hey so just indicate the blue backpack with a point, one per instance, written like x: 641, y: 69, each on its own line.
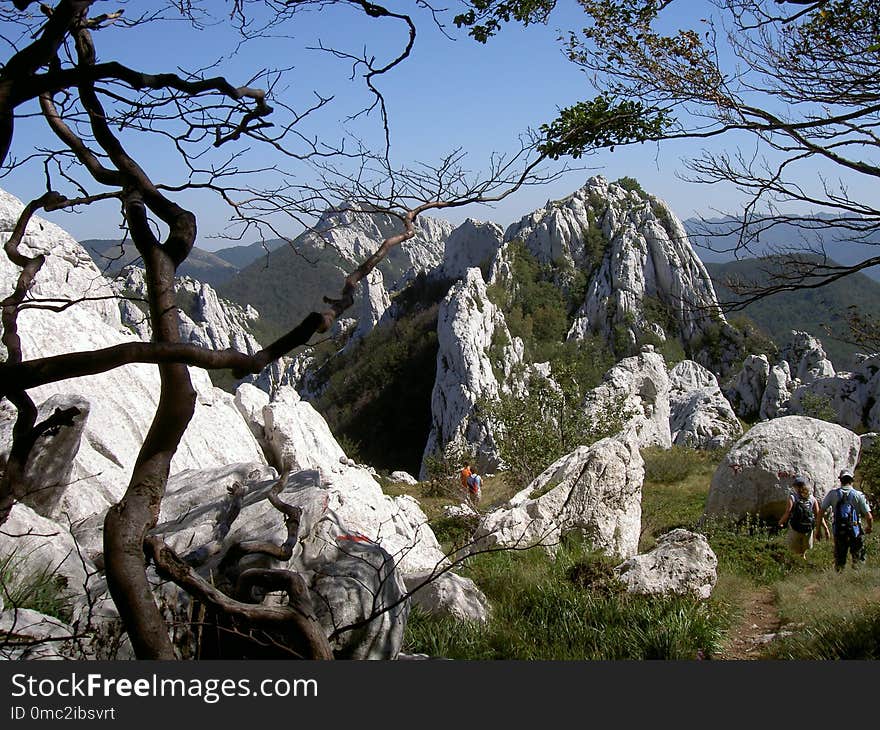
x: 846, y: 515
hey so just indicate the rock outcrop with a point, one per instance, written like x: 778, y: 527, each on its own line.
x: 639, y: 259
x: 122, y: 401
x: 806, y: 358
x: 755, y: 477
x: 700, y: 416
x: 747, y: 389
x: 682, y: 563
x: 472, y: 245
x: 448, y: 595
x: 638, y: 388
x: 476, y: 360
x: 595, y: 491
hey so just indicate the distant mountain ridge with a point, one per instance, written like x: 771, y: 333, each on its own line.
x: 821, y: 311
x: 111, y: 256
x: 717, y: 246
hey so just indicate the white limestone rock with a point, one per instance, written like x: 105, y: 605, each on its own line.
x: 638, y: 388
x: 700, y: 416
x: 777, y: 394
x: 356, y: 233
x: 448, y: 595
x: 206, y: 319
x: 755, y: 477
x: 746, y: 391
x: 40, y: 545
x: 121, y: 401
x: 403, y: 477
x: 595, y: 491
x: 646, y: 255
x: 371, y: 302
x: 298, y: 437
x: 806, y: 358
x: 472, y: 245
x: 682, y: 563
x: 361, y: 583
x: 68, y: 271
x: 469, y: 330
x: 29, y: 634
x: 49, y: 465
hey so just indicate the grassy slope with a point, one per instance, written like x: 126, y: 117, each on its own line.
x: 569, y: 608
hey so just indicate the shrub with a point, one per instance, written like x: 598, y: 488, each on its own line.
x: 818, y: 406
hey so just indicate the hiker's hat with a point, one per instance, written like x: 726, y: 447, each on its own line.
x: 798, y: 480
x: 846, y: 474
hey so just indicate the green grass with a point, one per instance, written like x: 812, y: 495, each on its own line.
x: 544, y: 610
x: 39, y: 589
x: 571, y: 607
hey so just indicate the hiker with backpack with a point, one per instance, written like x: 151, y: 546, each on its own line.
x: 804, y: 519
x: 849, y: 506
x: 475, y: 487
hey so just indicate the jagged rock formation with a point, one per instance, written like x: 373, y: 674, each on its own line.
x: 472, y: 245
x: 755, y: 477
x: 700, y: 416
x: 595, y: 491
x: 806, y: 358
x: 638, y: 388
x: 747, y: 389
x: 476, y: 360
x: 205, y: 318
x: 777, y: 394
x: 638, y: 256
x: 355, y: 233
x: 681, y: 563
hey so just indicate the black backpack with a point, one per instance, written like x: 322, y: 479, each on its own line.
x: 846, y: 516
x: 802, y: 518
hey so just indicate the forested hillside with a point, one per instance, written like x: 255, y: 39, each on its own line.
x: 821, y: 312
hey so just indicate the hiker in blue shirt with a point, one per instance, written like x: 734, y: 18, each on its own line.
x: 849, y: 506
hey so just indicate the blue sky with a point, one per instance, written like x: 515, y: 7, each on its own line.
x: 450, y: 93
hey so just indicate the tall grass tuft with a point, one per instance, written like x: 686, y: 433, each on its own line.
x: 39, y: 589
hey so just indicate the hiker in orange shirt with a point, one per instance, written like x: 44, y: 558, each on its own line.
x: 465, y: 475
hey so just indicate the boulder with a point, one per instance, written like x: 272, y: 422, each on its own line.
x: 638, y: 388
x: 448, y: 595
x: 755, y: 477
x: 746, y: 391
x: 700, y: 416
x: 403, y: 477
x: 682, y: 563
x: 595, y: 491
x: 356, y: 585
x: 27, y: 634
x: 38, y: 546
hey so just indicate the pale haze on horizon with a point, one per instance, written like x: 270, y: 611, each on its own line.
x: 449, y: 94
